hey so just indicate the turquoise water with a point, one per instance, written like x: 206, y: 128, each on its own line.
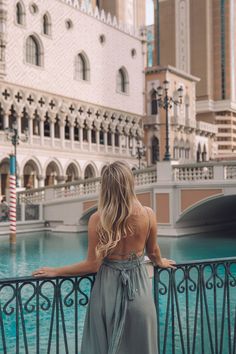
x: 33, y: 251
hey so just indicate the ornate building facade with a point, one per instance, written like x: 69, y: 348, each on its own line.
x: 199, y: 37
x: 130, y: 12
x: 71, y: 75
x: 190, y: 140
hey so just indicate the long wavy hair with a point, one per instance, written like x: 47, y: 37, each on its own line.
x: 114, y: 206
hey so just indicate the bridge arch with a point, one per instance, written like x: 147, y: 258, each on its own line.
x: 213, y: 211
x: 86, y: 215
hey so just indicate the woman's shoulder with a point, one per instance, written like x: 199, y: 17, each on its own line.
x: 149, y: 210
x: 95, y: 217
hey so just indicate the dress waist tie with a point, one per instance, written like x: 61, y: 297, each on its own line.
x: 126, y: 292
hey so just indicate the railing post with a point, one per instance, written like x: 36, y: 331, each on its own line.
x: 165, y: 171
x: 49, y: 194
x: 22, y: 206
x: 219, y: 172
x: 40, y: 212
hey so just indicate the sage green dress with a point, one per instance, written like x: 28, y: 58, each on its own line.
x: 121, y: 315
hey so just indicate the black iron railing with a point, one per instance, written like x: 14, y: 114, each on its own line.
x: 196, y: 307
x: 196, y: 310
x: 43, y: 316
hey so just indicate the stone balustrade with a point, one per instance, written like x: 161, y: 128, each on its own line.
x: 80, y: 188
x: 192, y: 173
x: 205, y: 171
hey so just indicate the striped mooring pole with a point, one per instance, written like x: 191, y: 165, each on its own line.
x: 12, y: 204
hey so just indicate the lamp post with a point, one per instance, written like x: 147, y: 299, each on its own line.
x: 166, y: 102
x: 15, y: 138
x: 141, y: 150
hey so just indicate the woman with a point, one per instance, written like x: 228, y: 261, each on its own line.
x: 121, y: 317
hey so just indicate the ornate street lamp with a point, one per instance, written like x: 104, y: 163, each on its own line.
x: 141, y: 150
x: 13, y: 136
x: 166, y: 102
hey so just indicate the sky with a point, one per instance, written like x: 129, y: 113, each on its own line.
x: 149, y: 12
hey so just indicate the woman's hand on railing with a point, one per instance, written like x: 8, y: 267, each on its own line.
x: 45, y: 272
x: 166, y: 263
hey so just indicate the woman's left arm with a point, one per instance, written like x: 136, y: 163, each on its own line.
x: 90, y: 265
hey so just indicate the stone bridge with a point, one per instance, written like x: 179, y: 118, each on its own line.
x: 187, y: 198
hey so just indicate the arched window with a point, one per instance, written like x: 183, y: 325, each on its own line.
x: 20, y: 13
x: 199, y: 152
x: 1, y: 118
x: 46, y: 25
x: 93, y: 134
x: 89, y: 172
x: 101, y: 136
x: 154, y: 109
x: 57, y: 128
x: 109, y: 138
x: 72, y: 173
x: 36, y: 125
x: 155, y: 150
x: 33, y: 51
x: 176, y: 149
x: 67, y: 129
x: 47, y: 127
x: 122, y: 80
x: 82, y: 69
x: 187, y: 107
x: 117, y: 139
x: 181, y: 149
x: 24, y: 121
x: 204, y: 153
x: 187, y: 150
x: 76, y: 130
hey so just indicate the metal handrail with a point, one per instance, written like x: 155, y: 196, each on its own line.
x: 198, y: 300
x: 195, y: 303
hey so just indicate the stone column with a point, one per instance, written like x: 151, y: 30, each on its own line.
x: 127, y: 133
x: 41, y: 180
x: 42, y: 130
x: 98, y: 139
x: 113, y: 141
x: 105, y: 141
x: 72, y: 138
x: 81, y: 137
x: 133, y: 146
x: 120, y: 145
x: 90, y: 138
x: 52, y: 117
x: 6, y: 120
x: 105, y: 130
x: 18, y: 121
x: 60, y: 179
x: 127, y: 144
x: 62, y: 132
x: 30, y: 125
x: 52, y: 132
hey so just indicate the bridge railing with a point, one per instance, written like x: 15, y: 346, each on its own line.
x: 204, y: 171
x: 195, y: 304
x: 81, y: 187
x: 196, y: 307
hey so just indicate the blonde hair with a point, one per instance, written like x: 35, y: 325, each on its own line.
x: 114, y: 206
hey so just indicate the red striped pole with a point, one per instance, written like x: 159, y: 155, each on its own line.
x: 12, y: 202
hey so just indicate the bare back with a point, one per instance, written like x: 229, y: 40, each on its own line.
x: 134, y: 243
